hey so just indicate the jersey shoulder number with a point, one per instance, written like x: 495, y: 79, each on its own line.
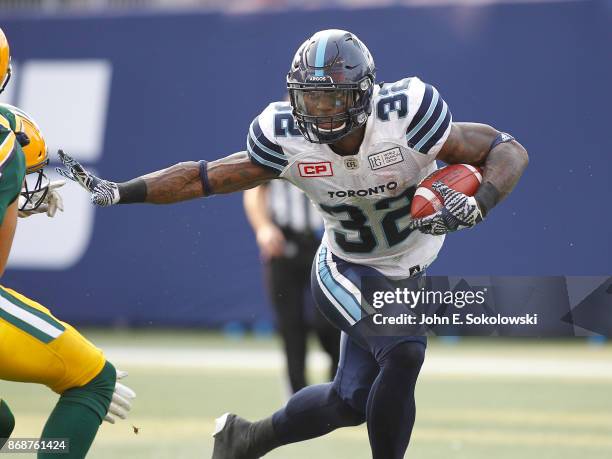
x: 268, y: 135
x: 417, y: 111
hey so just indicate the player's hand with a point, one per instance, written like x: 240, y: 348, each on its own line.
x: 52, y: 202
x: 459, y: 211
x: 271, y: 241
x: 121, y: 403
x: 103, y: 192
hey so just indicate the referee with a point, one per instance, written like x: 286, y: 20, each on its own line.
x: 288, y: 229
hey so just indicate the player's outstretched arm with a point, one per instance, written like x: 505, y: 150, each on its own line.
x: 180, y: 182
x: 503, y: 159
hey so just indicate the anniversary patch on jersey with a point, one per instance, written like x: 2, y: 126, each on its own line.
x: 351, y: 163
x: 385, y: 158
x: 322, y: 169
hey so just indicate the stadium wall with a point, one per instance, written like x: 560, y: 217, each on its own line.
x: 129, y: 94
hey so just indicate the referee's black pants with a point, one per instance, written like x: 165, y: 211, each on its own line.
x: 288, y: 281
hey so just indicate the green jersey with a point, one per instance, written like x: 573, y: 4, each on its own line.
x: 8, y: 116
x: 12, y: 164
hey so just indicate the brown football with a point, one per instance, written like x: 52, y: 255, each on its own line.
x: 459, y: 177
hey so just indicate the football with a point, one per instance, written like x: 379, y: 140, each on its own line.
x: 460, y: 177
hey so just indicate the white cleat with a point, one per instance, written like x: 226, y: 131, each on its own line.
x: 220, y: 423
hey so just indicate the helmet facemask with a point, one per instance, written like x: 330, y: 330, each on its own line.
x: 34, y: 191
x: 36, y: 184
x: 327, y: 112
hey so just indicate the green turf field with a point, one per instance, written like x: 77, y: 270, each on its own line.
x: 476, y: 399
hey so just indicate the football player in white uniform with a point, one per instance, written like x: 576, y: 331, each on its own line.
x: 358, y: 149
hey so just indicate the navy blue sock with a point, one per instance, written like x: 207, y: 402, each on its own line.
x: 391, y: 408
x: 312, y: 412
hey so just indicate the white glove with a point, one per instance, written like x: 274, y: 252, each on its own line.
x: 121, y: 403
x: 103, y: 192
x: 52, y: 203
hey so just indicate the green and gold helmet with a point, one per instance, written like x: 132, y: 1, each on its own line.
x: 34, y: 148
x: 5, y: 61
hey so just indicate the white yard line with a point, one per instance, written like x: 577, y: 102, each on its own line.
x: 457, y: 365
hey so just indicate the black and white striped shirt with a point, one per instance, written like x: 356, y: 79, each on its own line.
x: 290, y: 208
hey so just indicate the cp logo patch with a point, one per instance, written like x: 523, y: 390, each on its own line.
x: 323, y: 169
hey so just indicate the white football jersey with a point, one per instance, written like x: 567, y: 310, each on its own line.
x: 365, y: 198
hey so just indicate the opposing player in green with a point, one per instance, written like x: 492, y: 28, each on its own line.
x: 35, y: 346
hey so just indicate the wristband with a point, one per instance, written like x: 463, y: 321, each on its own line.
x: 204, y: 178
x: 487, y: 197
x: 133, y: 191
